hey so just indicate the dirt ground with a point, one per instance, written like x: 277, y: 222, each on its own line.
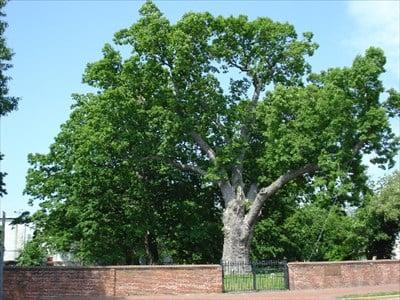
x: 323, y: 294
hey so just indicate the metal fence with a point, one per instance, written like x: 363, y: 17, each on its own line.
x: 254, y: 276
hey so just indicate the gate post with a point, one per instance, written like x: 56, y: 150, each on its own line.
x: 253, y: 271
x: 286, y: 275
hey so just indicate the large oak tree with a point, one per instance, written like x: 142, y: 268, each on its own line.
x: 233, y: 101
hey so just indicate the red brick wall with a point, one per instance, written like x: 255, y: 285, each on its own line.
x: 37, y: 283
x: 169, y: 280
x: 319, y: 275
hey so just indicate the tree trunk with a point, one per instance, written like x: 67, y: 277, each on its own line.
x: 150, y: 245
x: 128, y: 257
x: 237, y: 237
x: 236, y: 244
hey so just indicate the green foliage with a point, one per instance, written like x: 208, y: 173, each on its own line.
x: 317, y: 232
x: 191, y: 231
x: 33, y: 254
x: 392, y: 103
x: 2, y: 175
x: 100, y: 203
x: 320, y: 234
x: 7, y: 103
x: 270, y: 234
x: 380, y: 215
x: 311, y: 233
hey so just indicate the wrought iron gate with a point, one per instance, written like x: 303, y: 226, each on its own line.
x: 255, y: 276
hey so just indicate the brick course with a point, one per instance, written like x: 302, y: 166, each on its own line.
x: 51, y: 282
x: 319, y: 275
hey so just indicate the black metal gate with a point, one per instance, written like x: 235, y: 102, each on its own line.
x: 255, y: 276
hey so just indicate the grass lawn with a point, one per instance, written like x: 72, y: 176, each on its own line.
x: 373, y: 296
x: 244, y: 282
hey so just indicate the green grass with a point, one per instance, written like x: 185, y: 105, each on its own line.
x: 244, y: 282
x: 373, y: 296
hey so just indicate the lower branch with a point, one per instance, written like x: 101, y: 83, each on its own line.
x: 270, y: 190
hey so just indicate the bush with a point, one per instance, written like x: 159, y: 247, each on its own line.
x: 33, y: 254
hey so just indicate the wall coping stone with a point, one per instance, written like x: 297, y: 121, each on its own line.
x: 128, y: 267
x: 345, y: 262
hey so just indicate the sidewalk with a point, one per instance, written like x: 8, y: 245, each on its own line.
x: 323, y: 294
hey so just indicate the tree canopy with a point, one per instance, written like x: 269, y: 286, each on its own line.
x: 227, y: 107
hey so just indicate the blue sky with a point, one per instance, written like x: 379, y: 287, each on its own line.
x: 54, y: 40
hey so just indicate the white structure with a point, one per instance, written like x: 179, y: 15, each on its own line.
x: 396, y: 249
x: 15, y: 237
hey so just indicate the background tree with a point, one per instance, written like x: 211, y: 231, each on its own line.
x: 315, y: 231
x: 380, y: 215
x: 274, y: 124
x: 7, y: 103
x: 312, y: 229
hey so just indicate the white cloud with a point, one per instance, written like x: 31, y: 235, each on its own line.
x: 377, y: 23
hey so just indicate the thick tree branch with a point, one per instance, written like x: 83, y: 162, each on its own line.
x: 203, y: 146
x: 237, y: 176
x: 252, y: 192
x: 237, y: 170
x: 244, y: 69
x: 270, y: 190
x: 256, y: 94
x: 228, y: 192
x: 267, y: 192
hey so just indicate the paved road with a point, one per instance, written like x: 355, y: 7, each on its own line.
x: 323, y: 294
x: 383, y: 297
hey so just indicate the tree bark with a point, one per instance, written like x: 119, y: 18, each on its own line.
x: 237, y: 234
x: 239, y: 226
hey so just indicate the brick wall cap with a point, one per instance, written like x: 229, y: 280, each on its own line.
x: 128, y: 267
x: 346, y: 262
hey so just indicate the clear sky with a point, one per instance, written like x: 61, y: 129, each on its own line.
x: 54, y: 40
